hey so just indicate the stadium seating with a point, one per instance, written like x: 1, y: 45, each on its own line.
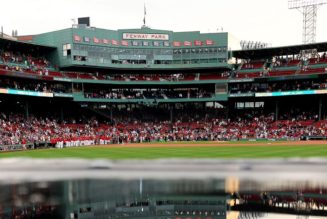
x: 56, y: 74
x: 313, y: 70
x: 252, y: 69
x: 15, y: 68
x: 249, y: 74
x: 314, y: 61
x: 136, y: 130
x: 275, y: 73
x: 213, y: 76
x: 253, y: 65
x: 293, y: 62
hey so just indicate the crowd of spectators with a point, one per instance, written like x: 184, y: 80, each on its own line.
x: 27, y: 63
x: 149, y: 93
x: 126, y: 93
x: 157, y: 93
x: 38, y: 86
x: 43, y: 68
x: 151, y: 77
x: 16, y: 61
x: 25, y: 59
x: 16, y: 129
x: 278, y: 86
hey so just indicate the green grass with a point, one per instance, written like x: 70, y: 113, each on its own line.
x: 257, y: 150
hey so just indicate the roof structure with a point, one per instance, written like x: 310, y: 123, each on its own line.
x: 278, y: 51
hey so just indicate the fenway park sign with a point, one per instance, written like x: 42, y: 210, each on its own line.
x: 145, y: 36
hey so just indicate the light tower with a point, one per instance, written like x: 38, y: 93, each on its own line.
x: 309, y: 9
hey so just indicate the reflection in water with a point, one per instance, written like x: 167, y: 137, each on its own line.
x: 115, y: 199
x: 163, y: 199
x: 163, y: 190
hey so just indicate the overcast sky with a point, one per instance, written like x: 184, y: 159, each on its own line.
x: 260, y: 20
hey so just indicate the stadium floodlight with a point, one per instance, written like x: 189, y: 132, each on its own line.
x: 309, y: 9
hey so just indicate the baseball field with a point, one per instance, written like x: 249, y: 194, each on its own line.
x: 225, y: 150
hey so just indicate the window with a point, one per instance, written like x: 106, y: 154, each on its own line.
x: 249, y: 104
x: 66, y: 50
x: 239, y: 105
x: 259, y: 104
x: 80, y: 58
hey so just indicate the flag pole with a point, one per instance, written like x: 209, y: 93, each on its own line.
x: 144, y: 18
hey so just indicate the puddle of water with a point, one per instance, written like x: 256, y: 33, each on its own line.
x: 78, y: 189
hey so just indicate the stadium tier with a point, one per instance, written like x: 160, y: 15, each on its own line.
x: 86, y: 86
